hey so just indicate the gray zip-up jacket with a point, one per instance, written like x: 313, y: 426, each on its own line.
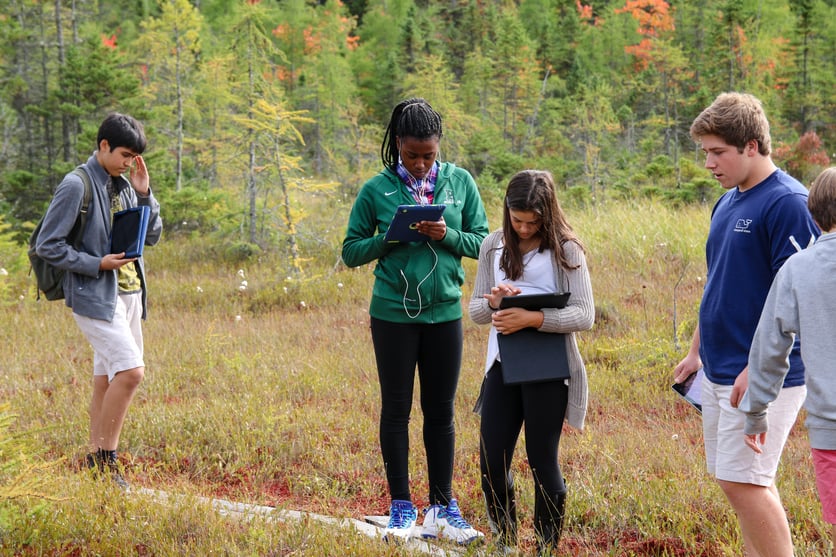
x: 87, y: 290
x: 800, y: 302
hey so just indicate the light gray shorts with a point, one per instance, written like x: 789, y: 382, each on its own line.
x: 727, y: 455
x: 117, y: 346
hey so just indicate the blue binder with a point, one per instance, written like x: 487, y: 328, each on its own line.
x: 128, y: 231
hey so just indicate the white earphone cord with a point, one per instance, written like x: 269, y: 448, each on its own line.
x: 417, y: 288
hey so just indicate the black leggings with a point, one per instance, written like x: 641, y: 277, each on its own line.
x: 542, y: 407
x: 437, y: 351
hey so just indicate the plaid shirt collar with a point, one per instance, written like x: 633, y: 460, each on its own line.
x: 422, y: 191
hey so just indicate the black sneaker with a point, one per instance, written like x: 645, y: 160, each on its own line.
x: 93, y: 461
x: 101, y: 466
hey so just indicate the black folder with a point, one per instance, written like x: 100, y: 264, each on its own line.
x: 529, y: 356
x: 128, y: 231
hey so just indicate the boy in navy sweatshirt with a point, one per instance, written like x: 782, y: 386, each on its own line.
x: 755, y: 227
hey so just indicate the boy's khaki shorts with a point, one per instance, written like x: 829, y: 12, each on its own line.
x: 117, y: 346
x: 726, y: 453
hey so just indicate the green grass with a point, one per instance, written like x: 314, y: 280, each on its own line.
x: 268, y: 395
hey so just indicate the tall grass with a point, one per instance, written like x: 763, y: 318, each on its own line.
x: 265, y: 392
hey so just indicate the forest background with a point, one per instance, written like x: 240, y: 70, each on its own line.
x: 253, y: 106
x: 264, y: 119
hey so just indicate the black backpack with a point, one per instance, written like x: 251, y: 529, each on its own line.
x: 51, y: 279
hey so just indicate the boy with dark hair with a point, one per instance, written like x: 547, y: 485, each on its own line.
x: 801, y: 303
x: 106, y: 291
x: 755, y: 227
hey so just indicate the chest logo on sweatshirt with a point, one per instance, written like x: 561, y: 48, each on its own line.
x: 742, y: 225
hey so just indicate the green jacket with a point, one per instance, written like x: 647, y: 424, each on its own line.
x: 416, y: 282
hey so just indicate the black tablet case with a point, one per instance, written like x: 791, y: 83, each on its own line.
x: 129, y: 229
x: 402, y: 227
x: 691, y: 389
x: 535, y: 302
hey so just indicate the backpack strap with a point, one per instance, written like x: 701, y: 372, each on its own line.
x: 81, y: 222
x: 43, y: 270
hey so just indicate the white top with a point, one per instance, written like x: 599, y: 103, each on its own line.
x: 537, y: 278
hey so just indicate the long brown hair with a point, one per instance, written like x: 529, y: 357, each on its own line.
x: 534, y: 190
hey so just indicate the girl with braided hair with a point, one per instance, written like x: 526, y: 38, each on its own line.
x: 416, y: 309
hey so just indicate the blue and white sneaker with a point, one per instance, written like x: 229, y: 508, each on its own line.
x: 402, y: 518
x: 447, y: 522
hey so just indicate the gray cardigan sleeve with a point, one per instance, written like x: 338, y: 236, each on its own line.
x: 478, y: 308
x: 52, y: 244
x: 578, y: 315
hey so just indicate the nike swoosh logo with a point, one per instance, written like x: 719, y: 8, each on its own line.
x: 388, y: 193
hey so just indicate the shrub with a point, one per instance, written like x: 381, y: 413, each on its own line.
x: 21, y: 472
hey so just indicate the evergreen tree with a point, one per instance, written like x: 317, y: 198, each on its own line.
x: 254, y: 60
x: 172, y: 47
x: 59, y: 86
x: 377, y: 63
x: 807, y: 87
x: 514, y: 81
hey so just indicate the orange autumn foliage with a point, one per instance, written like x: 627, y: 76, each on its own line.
x: 654, y: 18
x: 109, y: 42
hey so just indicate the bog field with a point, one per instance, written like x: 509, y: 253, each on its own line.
x: 261, y: 388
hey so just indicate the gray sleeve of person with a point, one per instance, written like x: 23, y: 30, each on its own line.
x: 58, y: 222
x: 770, y: 351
